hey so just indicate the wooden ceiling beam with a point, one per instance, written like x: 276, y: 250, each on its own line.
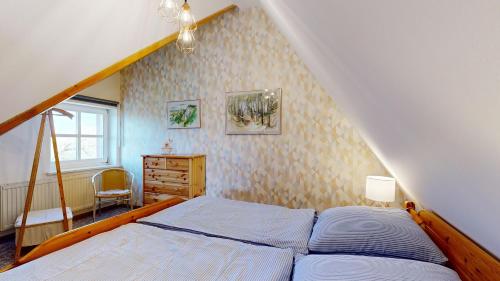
x: 99, y: 76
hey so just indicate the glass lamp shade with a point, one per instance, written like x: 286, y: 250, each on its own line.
x: 186, y: 41
x: 186, y: 18
x: 169, y: 10
x: 381, y: 189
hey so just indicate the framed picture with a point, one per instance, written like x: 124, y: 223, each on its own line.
x: 184, y: 114
x: 254, y: 112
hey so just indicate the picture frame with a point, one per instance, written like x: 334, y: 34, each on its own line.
x: 185, y: 114
x: 255, y: 112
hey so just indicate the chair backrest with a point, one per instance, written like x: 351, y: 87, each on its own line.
x: 112, y: 179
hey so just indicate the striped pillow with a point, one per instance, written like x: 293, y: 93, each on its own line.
x: 373, y: 232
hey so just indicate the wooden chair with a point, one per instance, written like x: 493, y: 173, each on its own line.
x: 113, y: 184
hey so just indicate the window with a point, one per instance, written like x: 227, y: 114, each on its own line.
x: 83, y: 140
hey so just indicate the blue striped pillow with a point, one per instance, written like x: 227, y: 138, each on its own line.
x: 373, y: 232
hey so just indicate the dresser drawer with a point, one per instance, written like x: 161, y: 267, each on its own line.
x: 150, y: 198
x: 166, y: 188
x: 166, y: 176
x: 178, y: 164
x: 155, y: 163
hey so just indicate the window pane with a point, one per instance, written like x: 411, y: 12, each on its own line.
x: 66, y: 147
x: 64, y: 125
x: 92, y: 123
x: 92, y: 148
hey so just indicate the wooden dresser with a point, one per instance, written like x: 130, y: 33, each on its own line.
x: 166, y: 176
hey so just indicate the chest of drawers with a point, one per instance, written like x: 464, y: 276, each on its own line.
x: 165, y: 176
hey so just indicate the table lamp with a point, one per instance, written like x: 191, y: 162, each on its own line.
x: 382, y: 189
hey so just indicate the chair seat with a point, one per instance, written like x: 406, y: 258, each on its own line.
x: 113, y: 193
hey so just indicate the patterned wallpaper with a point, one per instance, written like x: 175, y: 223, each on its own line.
x: 318, y: 161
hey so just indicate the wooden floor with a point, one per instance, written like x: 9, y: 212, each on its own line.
x: 8, y: 246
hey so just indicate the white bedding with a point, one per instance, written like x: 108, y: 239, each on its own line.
x: 250, y: 222
x: 141, y: 252
x: 356, y: 268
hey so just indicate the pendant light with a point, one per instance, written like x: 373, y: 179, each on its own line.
x: 186, y: 18
x: 169, y: 10
x: 186, y: 41
x: 187, y: 26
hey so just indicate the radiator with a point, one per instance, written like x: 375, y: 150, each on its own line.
x: 78, y: 192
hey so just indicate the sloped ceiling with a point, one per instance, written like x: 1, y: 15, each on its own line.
x: 421, y: 80
x: 47, y: 46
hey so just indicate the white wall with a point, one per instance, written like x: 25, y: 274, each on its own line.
x: 421, y: 80
x: 318, y: 161
x: 108, y: 89
x: 17, y: 147
x: 48, y: 46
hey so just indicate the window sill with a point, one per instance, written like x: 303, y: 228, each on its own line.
x: 84, y: 169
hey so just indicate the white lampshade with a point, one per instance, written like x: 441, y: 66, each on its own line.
x: 381, y: 189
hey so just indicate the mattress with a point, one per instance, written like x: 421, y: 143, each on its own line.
x: 141, y: 252
x: 243, y: 221
x: 355, y: 268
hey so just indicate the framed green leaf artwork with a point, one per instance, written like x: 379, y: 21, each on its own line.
x: 254, y: 112
x: 184, y: 114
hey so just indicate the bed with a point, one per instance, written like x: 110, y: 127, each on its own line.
x: 254, y: 223
x: 140, y: 252
x: 261, y: 245
x: 233, y: 251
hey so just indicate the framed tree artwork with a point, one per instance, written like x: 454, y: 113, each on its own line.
x: 254, y: 112
x: 184, y: 114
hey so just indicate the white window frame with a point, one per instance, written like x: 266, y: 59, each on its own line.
x: 86, y: 163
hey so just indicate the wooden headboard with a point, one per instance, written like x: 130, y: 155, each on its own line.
x: 466, y: 257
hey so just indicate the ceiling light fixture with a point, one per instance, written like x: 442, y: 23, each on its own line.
x: 186, y: 41
x: 187, y: 26
x: 186, y: 18
x: 169, y: 10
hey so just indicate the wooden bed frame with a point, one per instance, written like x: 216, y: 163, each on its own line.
x: 467, y: 258
x: 76, y: 235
